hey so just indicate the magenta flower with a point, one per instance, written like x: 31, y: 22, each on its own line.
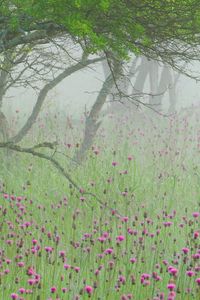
x: 14, y: 296
x: 31, y: 281
x: 53, y: 289
x: 130, y: 157
x: 108, y: 251
x: 198, y: 281
x: 48, y: 249
x: 196, y: 234
x: 22, y: 290
x: 196, y: 214
x: 133, y: 260
x: 88, y: 289
x: 173, y: 271
x: 185, y: 250
x: 62, y: 253
x: 190, y: 273
x: 120, y: 238
x: 66, y: 266
x: 171, y: 286
x: 34, y: 241
x: 64, y: 289
x: 101, y: 239
x: 21, y: 264
x: 77, y: 269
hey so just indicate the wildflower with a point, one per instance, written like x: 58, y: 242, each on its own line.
x: 31, y: 281
x: 48, y: 249
x: 62, y: 253
x: 133, y: 260
x: 198, y: 281
x: 120, y: 238
x: 101, y: 239
x: 171, y: 286
x: 196, y: 234
x: 21, y: 264
x: 76, y: 269
x: 122, y: 279
x: 108, y: 251
x: 88, y: 289
x: 53, y: 289
x: 173, y: 271
x: 190, y: 273
x: 22, y: 290
x: 185, y: 250
x: 14, y: 296
x: 130, y: 157
x: 66, y: 266
x: 196, y: 214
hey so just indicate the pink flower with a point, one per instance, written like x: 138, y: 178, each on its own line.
x: 101, y: 239
x: 196, y: 234
x: 21, y: 264
x: 66, y: 266
x: 120, y: 238
x: 76, y: 269
x: 185, y: 250
x: 173, y: 271
x: 31, y: 281
x: 62, y: 253
x: 89, y: 289
x: 198, y: 281
x: 171, y: 286
x: 145, y: 276
x: 30, y: 271
x: 14, y: 296
x: 130, y: 157
x: 48, y: 249
x: 196, y: 214
x: 171, y: 295
x: 190, y: 273
x: 22, y: 290
x: 64, y: 289
x: 108, y: 251
x: 53, y: 289
x: 122, y: 279
x: 133, y: 260
x: 124, y: 219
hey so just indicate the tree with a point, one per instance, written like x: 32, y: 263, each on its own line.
x: 155, y: 28
x: 164, y: 30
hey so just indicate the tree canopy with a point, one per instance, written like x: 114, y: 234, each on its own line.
x: 166, y: 28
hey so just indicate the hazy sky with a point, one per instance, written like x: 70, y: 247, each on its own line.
x: 81, y: 89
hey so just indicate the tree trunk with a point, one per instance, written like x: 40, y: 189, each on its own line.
x: 92, y: 122
x: 43, y: 93
x: 154, y: 99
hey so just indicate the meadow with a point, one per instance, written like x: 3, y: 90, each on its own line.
x: 131, y: 230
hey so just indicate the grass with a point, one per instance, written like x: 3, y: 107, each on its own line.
x: 66, y: 237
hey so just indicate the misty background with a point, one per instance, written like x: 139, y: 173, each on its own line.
x: 78, y: 92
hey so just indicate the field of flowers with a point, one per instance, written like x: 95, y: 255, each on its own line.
x: 131, y: 231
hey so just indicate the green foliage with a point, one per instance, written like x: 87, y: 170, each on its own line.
x: 116, y: 26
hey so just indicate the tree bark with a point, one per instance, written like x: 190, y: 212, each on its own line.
x: 154, y: 99
x: 43, y: 93
x: 92, y: 122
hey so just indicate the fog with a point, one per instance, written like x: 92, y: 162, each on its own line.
x: 78, y: 93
